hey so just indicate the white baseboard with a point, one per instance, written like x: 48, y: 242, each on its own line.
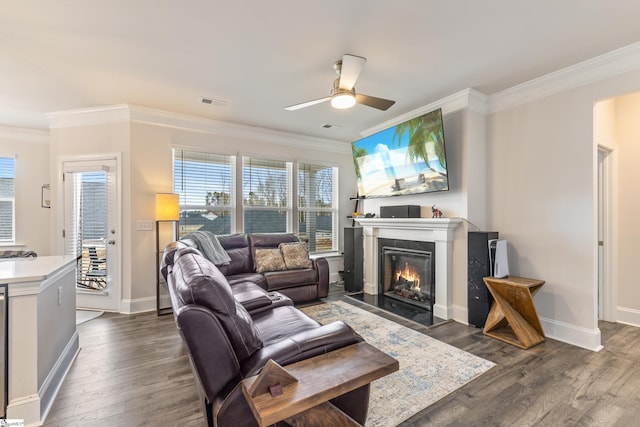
x: 138, y: 305
x: 571, y: 334
x: 460, y: 314
x: 628, y: 316
x: 560, y: 331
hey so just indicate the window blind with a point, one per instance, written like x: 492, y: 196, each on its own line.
x: 205, y: 183
x: 266, y: 189
x: 317, y: 210
x: 7, y: 199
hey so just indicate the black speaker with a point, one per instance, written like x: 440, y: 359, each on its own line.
x: 353, y: 259
x: 478, y: 296
x: 402, y: 211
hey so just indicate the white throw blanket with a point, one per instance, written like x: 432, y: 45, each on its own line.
x: 210, y: 247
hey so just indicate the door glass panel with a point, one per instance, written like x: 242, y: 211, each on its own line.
x: 86, y: 227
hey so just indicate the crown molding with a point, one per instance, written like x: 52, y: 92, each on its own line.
x: 595, y: 69
x: 24, y: 135
x: 233, y: 130
x: 89, y: 116
x: 469, y: 99
x: 136, y: 114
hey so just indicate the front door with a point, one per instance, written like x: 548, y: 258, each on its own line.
x: 91, y: 231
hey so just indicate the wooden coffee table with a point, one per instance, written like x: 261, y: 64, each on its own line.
x: 513, y: 317
x: 320, y: 379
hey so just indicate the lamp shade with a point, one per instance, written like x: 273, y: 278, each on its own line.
x: 167, y: 207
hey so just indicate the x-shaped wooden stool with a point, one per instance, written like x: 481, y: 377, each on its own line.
x: 513, y: 318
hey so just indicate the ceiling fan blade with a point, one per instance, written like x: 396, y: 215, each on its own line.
x: 372, y: 101
x: 307, y: 104
x: 351, y: 68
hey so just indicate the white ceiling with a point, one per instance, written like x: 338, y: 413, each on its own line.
x: 260, y: 56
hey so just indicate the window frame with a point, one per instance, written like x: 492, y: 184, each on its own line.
x: 12, y: 200
x: 292, y: 209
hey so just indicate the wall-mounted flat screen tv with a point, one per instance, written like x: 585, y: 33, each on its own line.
x: 408, y: 158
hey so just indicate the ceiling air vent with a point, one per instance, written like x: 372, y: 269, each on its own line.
x: 213, y: 101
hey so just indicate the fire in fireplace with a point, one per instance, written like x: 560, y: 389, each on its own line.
x: 406, y: 274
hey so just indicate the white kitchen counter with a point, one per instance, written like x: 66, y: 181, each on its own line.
x: 15, y: 270
x: 42, y: 336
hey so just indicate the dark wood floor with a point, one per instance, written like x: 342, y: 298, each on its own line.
x: 133, y: 371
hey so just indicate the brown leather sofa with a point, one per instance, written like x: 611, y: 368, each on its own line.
x: 231, y: 331
x: 300, y: 284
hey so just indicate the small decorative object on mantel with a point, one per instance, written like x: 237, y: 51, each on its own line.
x: 45, y: 199
x: 437, y: 213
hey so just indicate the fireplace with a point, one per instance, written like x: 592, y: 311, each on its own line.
x: 437, y: 232
x: 407, y: 271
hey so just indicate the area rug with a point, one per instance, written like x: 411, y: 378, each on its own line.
x: 86, y: 315
x: 429, y: 369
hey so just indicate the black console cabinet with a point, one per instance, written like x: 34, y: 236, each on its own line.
x: 353, y: 259
x: 478, y: 297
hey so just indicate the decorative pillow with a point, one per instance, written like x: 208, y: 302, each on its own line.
x: 269, y: 260
x: 295, y: 255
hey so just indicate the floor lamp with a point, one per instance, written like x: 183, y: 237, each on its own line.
x: 167, y: 212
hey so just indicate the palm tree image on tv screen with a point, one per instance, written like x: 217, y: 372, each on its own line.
x: 408, y: 158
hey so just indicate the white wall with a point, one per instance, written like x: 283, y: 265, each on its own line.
x: 31, y: 149
x: 541, y: 186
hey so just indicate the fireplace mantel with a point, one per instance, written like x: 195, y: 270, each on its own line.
x: 437, y: 230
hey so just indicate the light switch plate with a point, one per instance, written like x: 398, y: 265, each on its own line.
x: 144, y: 225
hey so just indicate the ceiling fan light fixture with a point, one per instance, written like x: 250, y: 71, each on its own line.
x: 343, y: 100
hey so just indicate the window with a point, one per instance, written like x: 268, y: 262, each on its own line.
x: 266, y: 188
x: 265, y: 201
x: 205, y: 183
x: 7, y: 200
x: 317, y: 210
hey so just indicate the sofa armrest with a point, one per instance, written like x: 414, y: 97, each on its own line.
x: 212, y: 356
x: 302, y: 345
x: 322, y: 267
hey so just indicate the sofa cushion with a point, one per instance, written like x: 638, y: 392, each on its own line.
x: 295, y: 255
x: 290, y: 278
x: 237, y: 247
x: 256, y: 278
x: 282, y: 322
x: 198, y: 281
x: 269, y: 260
x: 251, y: 296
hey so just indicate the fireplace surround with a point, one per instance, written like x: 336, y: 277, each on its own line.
x: 438, y: 231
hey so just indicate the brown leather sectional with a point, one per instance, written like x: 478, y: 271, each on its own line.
x: 232, y: 322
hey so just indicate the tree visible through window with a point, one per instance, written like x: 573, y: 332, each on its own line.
x: 7, y: 200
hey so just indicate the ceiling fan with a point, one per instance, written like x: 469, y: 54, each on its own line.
x: 343, y: 95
